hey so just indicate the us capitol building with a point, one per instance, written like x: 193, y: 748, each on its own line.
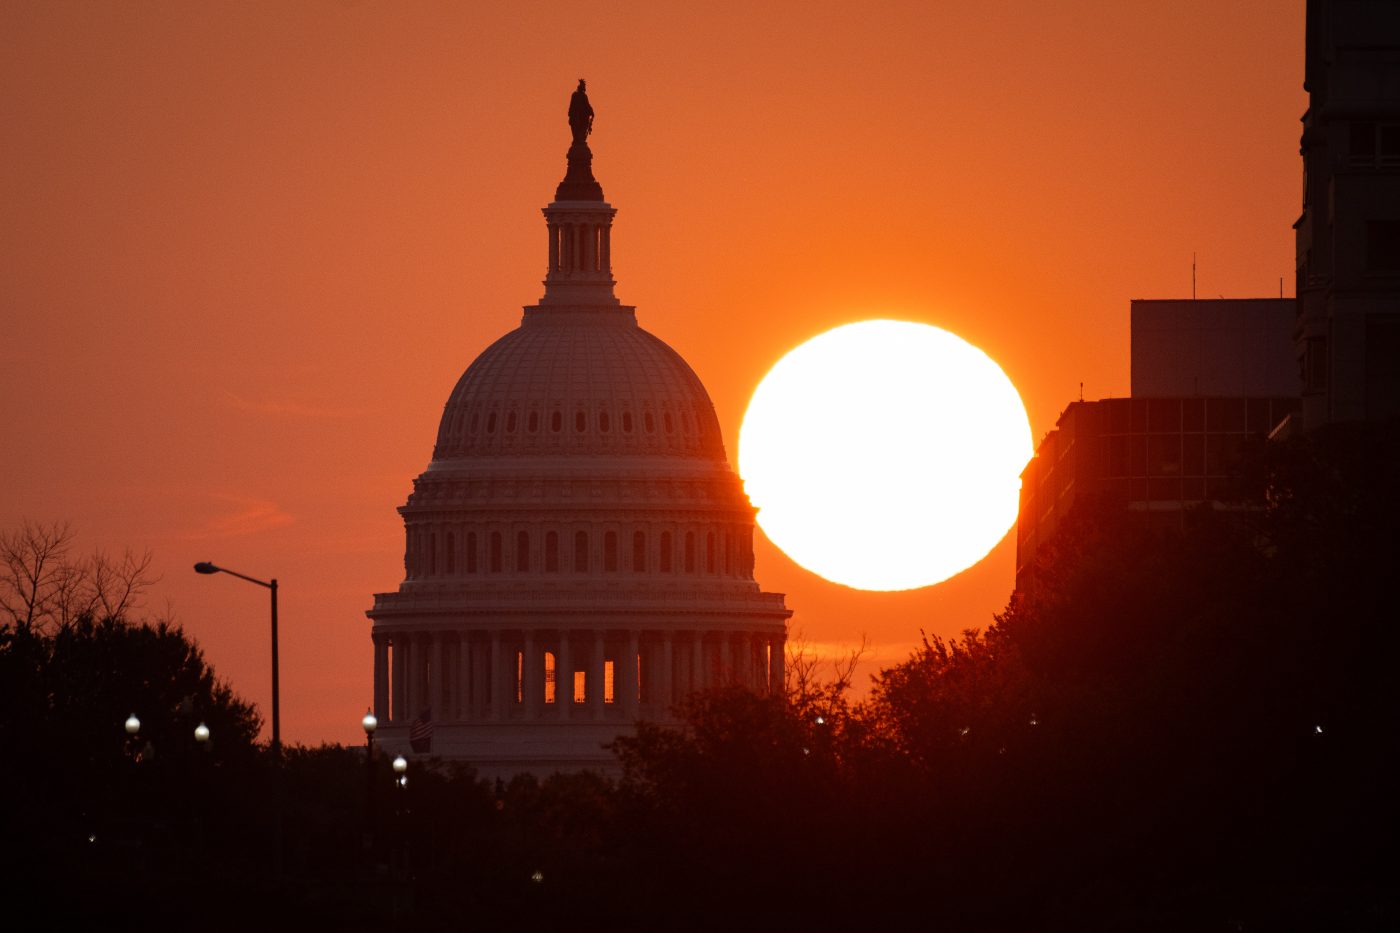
x: 578, y: 552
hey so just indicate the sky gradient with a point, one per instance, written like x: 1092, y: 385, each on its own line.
x: 248, y: 249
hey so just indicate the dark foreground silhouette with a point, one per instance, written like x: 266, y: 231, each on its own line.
x: 1184, y: 731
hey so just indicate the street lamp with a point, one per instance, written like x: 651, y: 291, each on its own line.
x: 400, y: 767
x: 369, y: 724
x: 133, y: 725
x: 207, y: 568
x: 201, y: 733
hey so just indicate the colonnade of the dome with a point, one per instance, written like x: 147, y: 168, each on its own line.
x: 452, y: 550
x: 488, y: 675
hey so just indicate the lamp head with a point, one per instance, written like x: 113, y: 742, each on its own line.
x: 133, y: 725
x: 201, y: 733
x: 370, y: 722
x: 205, y: 567
x: 400, y: 765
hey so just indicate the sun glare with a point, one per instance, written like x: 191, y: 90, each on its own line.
x: 885, y: 455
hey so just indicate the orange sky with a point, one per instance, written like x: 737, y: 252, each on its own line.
x: 248, y: 248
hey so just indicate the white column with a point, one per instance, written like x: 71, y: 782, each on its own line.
x: 464, y: 676
x: 665, y: 683
x: 422, y: 649
x: 532, y: 676
x: 381, y: 678
x: 481, y: 661
x: 628, y: 677
x: 400, y: 696
x: 564, y: 676
x: 500, y: 682
x: 437, y: 682
x: 596, y: 675
x: 697, y: 662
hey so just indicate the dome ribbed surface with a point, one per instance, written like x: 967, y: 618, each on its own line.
x: 579, y: 383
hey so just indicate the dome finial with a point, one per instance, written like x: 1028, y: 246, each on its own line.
x: 580, y: 114
x: 579, y: 183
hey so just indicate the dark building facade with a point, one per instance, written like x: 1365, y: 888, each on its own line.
x: 1348, y: 237
x: 1206, y: 376
x: 1155, y: 457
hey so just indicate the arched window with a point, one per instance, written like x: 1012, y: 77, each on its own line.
x: 669, y: 422
x: 522, y: 552
x: 581, y: 552
x: 626, y: 422
x: 647, y: 420
x: 496, y: 552
x: 580, y: 422
x: 604, y: 424
x: 491, y: 423
x: 534, y: 422
x: 556, y: 422
x: 471, y: 552
x: 690, y: 552
x: 451, y: 553
x: 639, y: 551
x: 510, y: 423
x: 710, y: 552
x: 610, y: 551
x: 551, y: 552
x: 729, y: 552
x: 432, y: 554
x: 665, y: 552
x: 476, y: 421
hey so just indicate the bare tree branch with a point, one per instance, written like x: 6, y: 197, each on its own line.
x: 41, y: 587
x: 32, y: 561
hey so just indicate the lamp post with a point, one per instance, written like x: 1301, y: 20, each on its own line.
x: 401, y: 780
x: 369, y: 724
x: 208, y: 568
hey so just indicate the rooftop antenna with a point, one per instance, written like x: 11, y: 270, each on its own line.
x: 1193, y: 275
x: 1280, y: 286
x: 1081, y: 391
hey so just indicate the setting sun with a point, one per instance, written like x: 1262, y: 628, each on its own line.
x: 885, y: 455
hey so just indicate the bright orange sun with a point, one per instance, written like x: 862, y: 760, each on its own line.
x: 885, y: 455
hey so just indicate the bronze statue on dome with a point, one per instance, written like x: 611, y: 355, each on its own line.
x: 580, y: 114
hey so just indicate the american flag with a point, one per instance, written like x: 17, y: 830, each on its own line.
x: 420, y: 732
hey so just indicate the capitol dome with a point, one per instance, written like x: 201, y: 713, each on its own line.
x: 578, y: 383
x: 578, y: 553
